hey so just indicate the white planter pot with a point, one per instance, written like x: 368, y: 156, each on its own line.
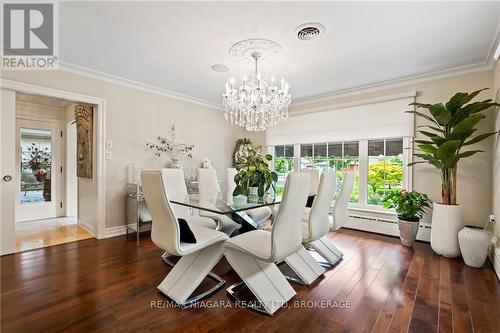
x: 474, y: 242
x: 446, y: 223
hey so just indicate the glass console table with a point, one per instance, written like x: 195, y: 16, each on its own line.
x: 138, y: 218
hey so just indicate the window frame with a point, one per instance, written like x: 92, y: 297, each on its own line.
x: 363, y: 168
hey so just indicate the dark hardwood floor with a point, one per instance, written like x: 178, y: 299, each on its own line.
x: 109, y: 286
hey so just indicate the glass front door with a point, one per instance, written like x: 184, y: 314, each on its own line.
x: 36, y: 164
x: 38, y: 154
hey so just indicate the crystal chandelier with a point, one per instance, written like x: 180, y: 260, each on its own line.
x: 258, y: 103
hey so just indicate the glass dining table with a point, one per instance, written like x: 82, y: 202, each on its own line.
x: 223, y: 202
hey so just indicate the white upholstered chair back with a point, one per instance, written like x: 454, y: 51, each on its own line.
x: 175, y: 187
x: 231, y: 184
x: 340, y: 209
x: 286, y: 234
x: 319, y: 223
x: 165, y: 231
x: 207, y: 182
x: 314, y: 180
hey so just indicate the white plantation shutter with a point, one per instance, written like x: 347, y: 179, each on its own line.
x: 379, y: 119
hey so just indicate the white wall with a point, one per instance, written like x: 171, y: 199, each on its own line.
x: 134, y: 116
x: 496, y: 160
x: 474, y: 175
x: 70, y: 171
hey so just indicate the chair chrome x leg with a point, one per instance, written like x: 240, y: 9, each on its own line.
x: 325, y: 250
x: 186, y: 267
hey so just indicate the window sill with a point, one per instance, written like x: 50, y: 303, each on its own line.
x: 374, y: 212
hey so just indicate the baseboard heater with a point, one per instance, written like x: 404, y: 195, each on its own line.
x: 384, y: 226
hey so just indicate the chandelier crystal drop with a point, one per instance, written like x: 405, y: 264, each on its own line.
x: 258, y: 103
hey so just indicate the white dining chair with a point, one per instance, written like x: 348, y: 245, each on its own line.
x: 313, y: 187
x: 314, y: 180
x: 341, y: 204
x: 197, y: 259
x: 323, y: 246
x: 175, y: 187
x: 209, y: 190
x: 253, y: 254
x: 258, y: 215
x: 316, y: 226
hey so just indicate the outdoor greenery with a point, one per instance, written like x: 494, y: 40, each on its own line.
x: 255, y: 172
x: 282, y: 166
x: 452, y: 125
x: 340, y: 165
x: 384, y: 175
x: 410, y: 206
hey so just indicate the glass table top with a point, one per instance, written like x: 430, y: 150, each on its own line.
x: 223, y: 202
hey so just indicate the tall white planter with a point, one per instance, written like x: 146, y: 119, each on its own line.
x: 446, y: 223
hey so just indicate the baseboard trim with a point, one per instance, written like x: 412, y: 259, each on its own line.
x: 494, y: 256
x: 115, y: 231
x: 87, y: 227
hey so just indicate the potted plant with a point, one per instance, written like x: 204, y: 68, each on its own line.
x: 410, y: 206
x: 449, y: 135
x: 254, y: 178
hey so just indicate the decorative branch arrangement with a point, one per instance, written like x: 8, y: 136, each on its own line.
x: 36, y: 158
x: 167, y: 146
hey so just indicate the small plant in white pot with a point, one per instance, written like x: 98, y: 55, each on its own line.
x: 410, y: 206
x: 448, y: 136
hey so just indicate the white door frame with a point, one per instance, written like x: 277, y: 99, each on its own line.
x: 100, y: 137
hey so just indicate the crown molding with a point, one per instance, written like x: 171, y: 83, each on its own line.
x: 485, y: 66
x: 323, y: 108
x: 98, y: 75
x: 490, y: 59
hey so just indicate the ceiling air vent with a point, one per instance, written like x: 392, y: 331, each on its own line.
x: 309, y: 31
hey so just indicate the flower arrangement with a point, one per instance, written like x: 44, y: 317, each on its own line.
x: 167, y: 146
x: 410, y: 206
x: 36, y: 158
x: 40, y: 175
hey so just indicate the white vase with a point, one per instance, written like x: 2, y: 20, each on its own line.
x: 446, y: 223
x: 253, y: 196
x: 175, y: 164
x: 474, y: 242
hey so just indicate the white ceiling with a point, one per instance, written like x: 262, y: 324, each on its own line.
x: 171, y: 45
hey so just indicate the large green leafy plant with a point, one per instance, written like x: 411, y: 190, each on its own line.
x: 450, y: 133
x: 254, y: 172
